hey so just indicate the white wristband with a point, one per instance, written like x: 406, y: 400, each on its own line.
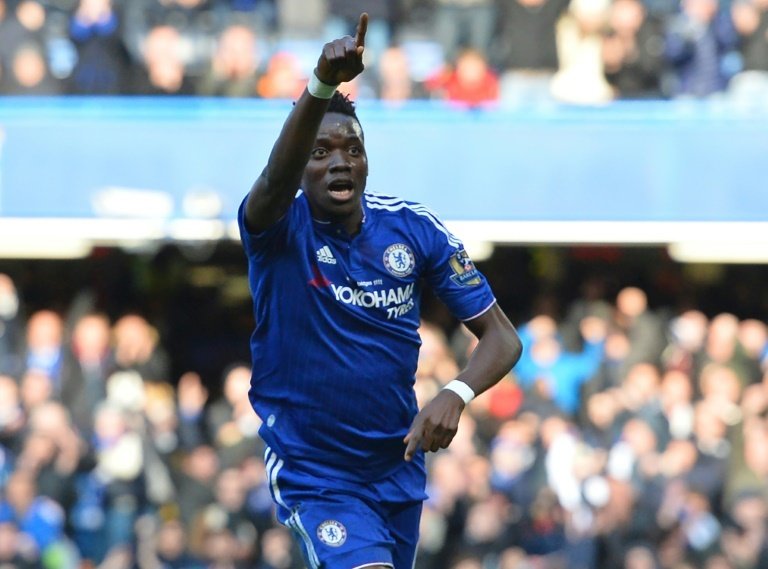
x: 319, y: 89
x: 461, y: 389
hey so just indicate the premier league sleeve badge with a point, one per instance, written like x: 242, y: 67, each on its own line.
x: 464, y: 271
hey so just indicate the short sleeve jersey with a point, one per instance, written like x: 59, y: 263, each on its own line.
x: 336, y: 340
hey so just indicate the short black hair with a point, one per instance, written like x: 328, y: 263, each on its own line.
x: 343, y: 105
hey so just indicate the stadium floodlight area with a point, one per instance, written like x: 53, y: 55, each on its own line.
x: 78, y: 172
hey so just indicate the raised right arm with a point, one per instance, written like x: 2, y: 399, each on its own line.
x: 274, y: 190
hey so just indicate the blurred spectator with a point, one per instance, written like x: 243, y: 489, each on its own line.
x: 676, y: 398
x: 277, y: 550
x: 172, y: 550
x: 633, y: 51
x: 22, y: 24
x: 700, y: 45
x: 162, y: 421
x: 44, y: 347
x: 722, y: 347
x: 641, y: 557
x: 14, y: 550
x: 687, y: 333
x: 515, y: 471
x: 750, y: 17
x: 283, y: 79
x: 103, y: 65
x: 182, y: 14
x: 641, y: 397
x: 233, y: 71
x: 526, y: 49
x: 259, y: 15
x: 36, y: 388
x: 28, y: 74
x: 592, y: 301
x: 710, y: 433
x: 300, y: 18
x: 231, y: 422
x: 614, y: 367
x: 464, y: 24
x: 601, y: 427
x: 745, y: 542
x: 580, y: 78
x: 154, y: 418
x: 643, y: 327
x: 12, y: 418
x: 53, y: 463
x: 551, y: 375
x: 753, y: 338
x: 164, y: 70
x: 85, y: 369
x: 194, y: 482
x: 220, y: 548
x: 229, y: 513
x: 395, y: 84
x: 10, y: 327
x: 192, y: 397
x: 749, y: 468
x: 470, y: 82
x: 136, y: 347
x: 194, y: 20
x: 111, y: 495
x: 39, y: 519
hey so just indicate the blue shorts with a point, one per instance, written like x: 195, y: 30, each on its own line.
x: 354, y: 527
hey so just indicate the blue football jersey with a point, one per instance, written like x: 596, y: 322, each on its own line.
x: 336, y: 340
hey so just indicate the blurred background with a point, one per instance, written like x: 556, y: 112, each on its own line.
x: 603, y: 161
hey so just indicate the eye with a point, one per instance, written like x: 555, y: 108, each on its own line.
x: 355, y: 150
x: 319, y: 153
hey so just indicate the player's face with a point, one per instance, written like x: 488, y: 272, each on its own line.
x: 335, y: 176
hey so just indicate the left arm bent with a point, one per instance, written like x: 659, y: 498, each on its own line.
x: 498, y: 350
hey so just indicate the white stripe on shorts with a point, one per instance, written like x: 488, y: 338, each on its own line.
x: 294, y: 522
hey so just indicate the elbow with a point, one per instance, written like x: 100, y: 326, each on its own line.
x: 515, y: 349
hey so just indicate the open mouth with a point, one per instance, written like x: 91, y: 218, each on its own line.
x: 341, y: 190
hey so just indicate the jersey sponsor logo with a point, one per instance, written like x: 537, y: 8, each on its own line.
x: 399, y: 260
x: 397, y: 301
x: 464, y: 271
x: 332, y: 533
x: 324, y: 255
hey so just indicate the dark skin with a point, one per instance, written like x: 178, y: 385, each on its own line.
x: 324, y: 154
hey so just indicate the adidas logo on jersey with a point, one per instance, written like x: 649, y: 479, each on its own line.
x: 324, y: 255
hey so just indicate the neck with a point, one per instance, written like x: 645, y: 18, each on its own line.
x: 351, y: 223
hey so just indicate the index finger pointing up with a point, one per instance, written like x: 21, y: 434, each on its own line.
x: 362, y: 27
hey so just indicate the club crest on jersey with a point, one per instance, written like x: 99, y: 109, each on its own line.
x: 399, y: 260
x: 332, y: 533
x: 464, y: 271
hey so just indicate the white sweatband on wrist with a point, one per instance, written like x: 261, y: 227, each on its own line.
x: 461, y: 389
x: 319, y: 89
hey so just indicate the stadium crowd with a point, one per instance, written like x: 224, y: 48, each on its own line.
x: 626, y: 438
x: 472, y: 52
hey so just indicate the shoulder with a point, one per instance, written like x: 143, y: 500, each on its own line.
x: 417, y: 216
x: 296, y: 215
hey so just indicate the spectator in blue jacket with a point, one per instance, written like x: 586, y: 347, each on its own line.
x: 552, y: 373
x: 700, y: 44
